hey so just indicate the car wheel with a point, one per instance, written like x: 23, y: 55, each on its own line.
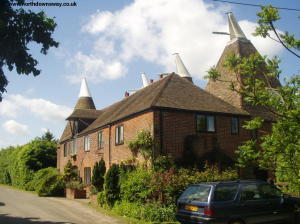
x: 236, y: 222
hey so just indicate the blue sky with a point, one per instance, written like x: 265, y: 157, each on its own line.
x: 112, y: 42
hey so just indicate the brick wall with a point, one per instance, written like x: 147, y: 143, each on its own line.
x: 114, y: 153
x: 177, y: 125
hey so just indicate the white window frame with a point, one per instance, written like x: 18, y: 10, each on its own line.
x: 120, y: 135
x: 86, y: 143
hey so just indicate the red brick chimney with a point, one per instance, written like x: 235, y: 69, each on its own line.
x: 126, y: 94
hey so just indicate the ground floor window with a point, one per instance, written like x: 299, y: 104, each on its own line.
x: 205, y: 123
x: 87, y: 175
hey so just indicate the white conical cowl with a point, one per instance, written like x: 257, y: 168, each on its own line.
x: 235, y: 30
x: 84, y: 89
x: 145, y: 80
x: 181, y: 69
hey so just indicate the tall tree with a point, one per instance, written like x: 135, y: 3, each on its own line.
x: 280, y: 150
x: 18, y: 28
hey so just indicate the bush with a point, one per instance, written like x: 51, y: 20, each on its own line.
x: 75, y: 184
x: 161, y: 164
x: 98, y: 175
x: 47, y: 182
x: 111, y: 184
x: 135, y: 185
x: 146, y: 212
x: 101, y: 199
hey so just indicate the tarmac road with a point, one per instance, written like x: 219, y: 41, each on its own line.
x: 18, y: 207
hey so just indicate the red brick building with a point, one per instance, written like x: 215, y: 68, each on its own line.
x: 182, y: 117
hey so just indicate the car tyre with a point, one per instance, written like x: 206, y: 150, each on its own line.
x: 236, y: 222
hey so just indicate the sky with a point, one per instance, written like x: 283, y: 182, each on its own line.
x: 111, y: 43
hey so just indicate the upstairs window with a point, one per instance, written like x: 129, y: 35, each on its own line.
x: 234, y: 126
x: 100, y: 140
x: 74, y: 147
x: 87, y: 143
x: 65, y: 150
x: 119, y: 134
x: 205, y: 123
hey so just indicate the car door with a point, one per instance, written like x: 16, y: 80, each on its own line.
x: 251, y: 207
x: 282, y: 211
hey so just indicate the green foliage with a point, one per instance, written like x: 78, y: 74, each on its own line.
x: 143, y: 144
x: 278, y: 151
x: 98, y: 175
x: 135, y: 185
x: 161, y: 164
x: 146, y: 212
x: 18, y: 29
x: 101, y: 199
x: 111, y: 184
x: 75, y: 184
x: 19, y: 164
x: 93, y: 190
x: 70, y: 172
x: 267, y: 18
x: 47, y: 182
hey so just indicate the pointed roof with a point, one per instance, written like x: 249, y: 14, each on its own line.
x: 181, y: 69
x: 235, y: 30
x: 85, y: 100
x: 84, y: 89
x: 242, y: 47
x: 145, y: 80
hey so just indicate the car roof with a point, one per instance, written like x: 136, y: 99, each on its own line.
x: 215, y: 183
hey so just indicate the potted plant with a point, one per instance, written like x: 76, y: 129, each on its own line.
x: 75, y: 189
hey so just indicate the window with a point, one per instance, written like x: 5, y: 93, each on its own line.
x: 205, y: 123
x: 74, y: 146
x: 65, y: 150
x: 100, y: 140
x: 87, y: 143
x: 197, y: 193
x: 269, y: 192
x: 225, y: 192
x: 119, y: 135
x: 234, y: 126
x: 87, y: 175
x: 250, y: 192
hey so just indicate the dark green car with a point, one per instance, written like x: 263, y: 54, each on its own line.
x: 238, y: 202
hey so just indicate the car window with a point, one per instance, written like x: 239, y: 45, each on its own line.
x: 225, y: 192
x: 196, y: 193
x: 250, y: 192
x: 269, y: 192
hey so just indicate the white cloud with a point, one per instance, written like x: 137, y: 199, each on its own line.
x: 15, y: 128
x: 153, y: 30
x: 12, y: 105
x: 95, y: 68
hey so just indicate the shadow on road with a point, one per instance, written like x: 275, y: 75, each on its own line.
x: 2, y: 204
x: 6, y: 219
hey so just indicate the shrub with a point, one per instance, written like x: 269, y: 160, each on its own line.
x: 93, y: 190
x: 146, y: 212
x: 101, y: 199
x: 161, y: 164
x: 111, y: 184
x: 47, y: 182
x: 75, y: 184
x: 98, y: 175
x: 70, y: 172
x: 135, y: 185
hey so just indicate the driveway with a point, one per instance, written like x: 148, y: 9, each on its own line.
x: 18, y: 207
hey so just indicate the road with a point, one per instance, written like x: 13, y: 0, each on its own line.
x: 18, y: 207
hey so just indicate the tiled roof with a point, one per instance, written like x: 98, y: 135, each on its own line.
x: 170, y: 92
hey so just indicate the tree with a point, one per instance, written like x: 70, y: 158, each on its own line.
x: 280, y: 150
x: 98, y: 175
x: 19, y: 28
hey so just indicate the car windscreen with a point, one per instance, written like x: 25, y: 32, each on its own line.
x: 196, y: 193
x: 225, y: 192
